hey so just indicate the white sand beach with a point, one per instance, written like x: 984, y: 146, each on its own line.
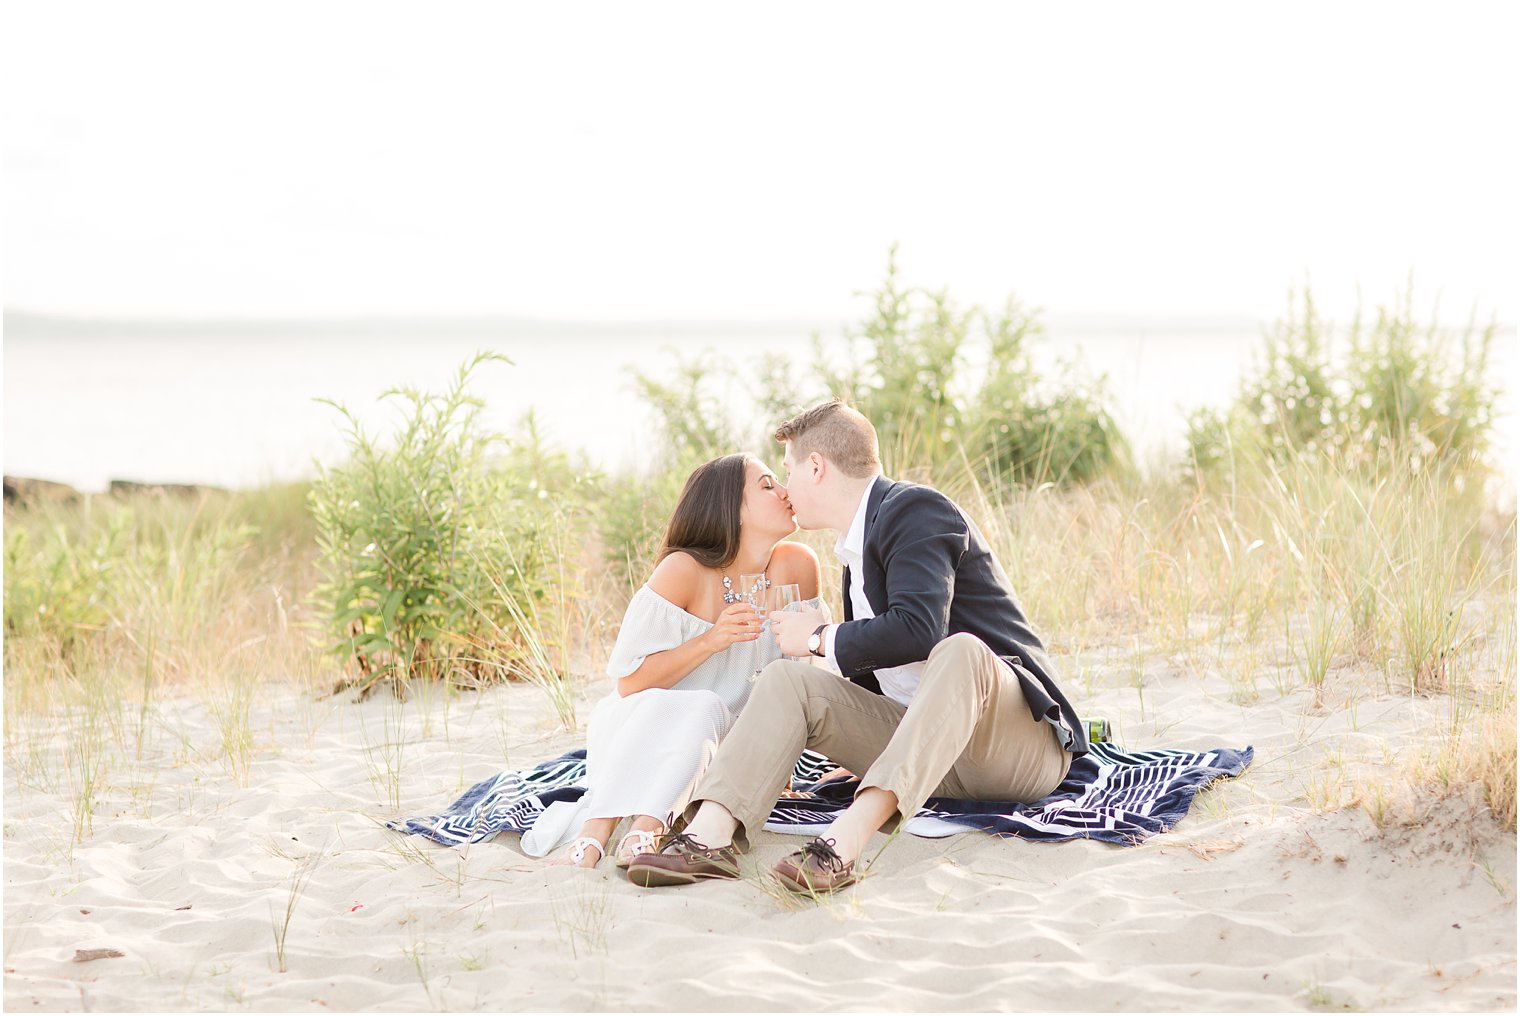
x: 360, y: 344
x: 1269, y: 896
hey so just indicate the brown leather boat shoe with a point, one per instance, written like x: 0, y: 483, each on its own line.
x: 681, y: 860
x: 815, y: 869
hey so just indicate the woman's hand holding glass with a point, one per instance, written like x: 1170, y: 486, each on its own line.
x: 739, y: 622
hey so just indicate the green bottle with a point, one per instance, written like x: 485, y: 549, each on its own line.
x: 1097, y: 730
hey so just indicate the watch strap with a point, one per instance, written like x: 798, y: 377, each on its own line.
x: 818, y: 635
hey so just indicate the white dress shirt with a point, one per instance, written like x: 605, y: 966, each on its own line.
x: 897, y: 683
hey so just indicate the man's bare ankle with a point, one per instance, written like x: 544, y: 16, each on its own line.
x: 712, y: 826
x: 853, y: 829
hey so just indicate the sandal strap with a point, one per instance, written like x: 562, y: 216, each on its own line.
x: 636, y: 842
x: 640, y: 840
x: 581, y: 844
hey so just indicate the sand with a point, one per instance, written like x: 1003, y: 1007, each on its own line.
x: 1267, y: 897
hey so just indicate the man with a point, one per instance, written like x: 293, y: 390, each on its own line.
x: 950, y: 692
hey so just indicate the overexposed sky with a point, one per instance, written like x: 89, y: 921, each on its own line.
x: 597, y: 161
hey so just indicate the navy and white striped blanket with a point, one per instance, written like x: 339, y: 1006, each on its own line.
x: 1109, y: 794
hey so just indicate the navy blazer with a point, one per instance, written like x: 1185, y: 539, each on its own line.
x: 929, y: 574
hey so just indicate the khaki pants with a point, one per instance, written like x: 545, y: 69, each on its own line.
x: 967, y: 734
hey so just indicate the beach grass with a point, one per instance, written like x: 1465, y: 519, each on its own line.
x: 1335, y: 577
x: 1149, y: 611
x: 1296, y: 575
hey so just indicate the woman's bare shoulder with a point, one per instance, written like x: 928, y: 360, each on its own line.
x: 796, y: 562
x: 795, y: 555
x: 678, y: 578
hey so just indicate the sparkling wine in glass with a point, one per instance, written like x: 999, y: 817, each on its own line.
x: 784, y: 596
x: 752, y: 590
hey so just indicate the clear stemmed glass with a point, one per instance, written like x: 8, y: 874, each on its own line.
x: 783, y: 596
x: 786, y: 596
x: 752, y: 590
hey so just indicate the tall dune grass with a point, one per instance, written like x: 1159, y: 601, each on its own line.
x: 1393, y: 568
x: 110, y: 603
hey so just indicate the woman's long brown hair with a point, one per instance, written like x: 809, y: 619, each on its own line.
x: 705, y: 523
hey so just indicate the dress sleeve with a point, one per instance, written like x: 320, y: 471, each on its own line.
x: 650, y: 625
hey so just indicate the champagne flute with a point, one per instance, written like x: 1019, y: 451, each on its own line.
x: 752, y: 590
x: 784, y: 596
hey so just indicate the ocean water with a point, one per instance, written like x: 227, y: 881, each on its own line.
x: 235, y: 404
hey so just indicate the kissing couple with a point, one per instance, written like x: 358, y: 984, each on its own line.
x: 945, y: 691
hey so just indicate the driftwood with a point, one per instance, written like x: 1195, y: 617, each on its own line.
x: 86, y: 955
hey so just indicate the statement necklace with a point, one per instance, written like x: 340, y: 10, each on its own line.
x: 729, y: 596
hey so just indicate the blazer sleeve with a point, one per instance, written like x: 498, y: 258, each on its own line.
x: 920, y: 540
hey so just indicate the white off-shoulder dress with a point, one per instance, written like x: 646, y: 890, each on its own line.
x: 645, y: 752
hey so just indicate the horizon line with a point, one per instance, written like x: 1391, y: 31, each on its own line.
x: 1105, y: 321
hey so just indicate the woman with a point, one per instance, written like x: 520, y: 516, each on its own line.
x: 687, y: 653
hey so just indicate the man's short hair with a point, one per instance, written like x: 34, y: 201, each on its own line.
x: 838, y: 433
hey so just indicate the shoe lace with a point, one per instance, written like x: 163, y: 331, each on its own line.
x: 684, y: 842
x: 823, y: 851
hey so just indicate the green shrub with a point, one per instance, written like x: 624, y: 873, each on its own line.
x: 146, y: 564
x: 635, y: 511
x: 690, y: 421
x: 945, y: 385
x: 691, y: 426
x: 1418, y: 395
x: 908, y: 367
x: 62, y: 582
x: 1397, y: 395
x: 434, y: 547
x: 1029, y: 429
x: 901, y: 370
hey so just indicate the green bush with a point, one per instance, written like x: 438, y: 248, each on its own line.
x: 62, y: 584
x: 901, y: 370
x: 689, y: 418
x: 908, y: 369
x: 691, y: 427
x: 1029, y: 429
x: 148, y: 563
x: 635, y: 510
x: 1394, y: 396
x: 435, y: 549
x: 1418, y: 395
x: 908, y: 366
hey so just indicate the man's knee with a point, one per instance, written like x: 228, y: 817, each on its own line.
x: 785, y: 678
x: 961, y: 645
x: 957, y: 660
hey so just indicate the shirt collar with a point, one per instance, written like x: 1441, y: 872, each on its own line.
x: 851, y: 546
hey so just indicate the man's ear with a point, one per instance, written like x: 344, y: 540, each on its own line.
x: 818, y: 464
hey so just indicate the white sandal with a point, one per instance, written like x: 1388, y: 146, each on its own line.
x: 639, y: 841
x: 580, y: 845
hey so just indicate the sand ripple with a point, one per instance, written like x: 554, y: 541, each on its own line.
x: 1255, y: 903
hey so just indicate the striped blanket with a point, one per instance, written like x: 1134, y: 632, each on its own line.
x: 1109, y: 794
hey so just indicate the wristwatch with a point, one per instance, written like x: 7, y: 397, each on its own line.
x: 815, y: 640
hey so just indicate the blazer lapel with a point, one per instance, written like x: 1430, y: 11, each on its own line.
x: 875, y: 584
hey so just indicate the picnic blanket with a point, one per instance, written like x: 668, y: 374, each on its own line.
x: 1109, y: 794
